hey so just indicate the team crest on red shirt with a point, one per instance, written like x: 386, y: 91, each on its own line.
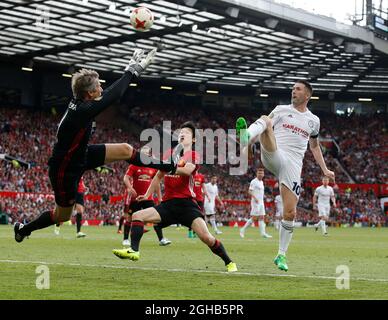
x: 144, y: 177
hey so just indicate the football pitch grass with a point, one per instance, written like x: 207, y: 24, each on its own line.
x: 86, y: 268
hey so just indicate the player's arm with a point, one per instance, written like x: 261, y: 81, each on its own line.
x: 187, y: 170
x: 128, y: 182
x: 204, y: 190
x: 114, y: 92
x: 315, y: 200
x: 159, y: 193
x: 333, y: 200
x: 155, y: 183
x: 220, y: 201
x: 317, y: 153
x: 111, y: 94
x: 252, y: 196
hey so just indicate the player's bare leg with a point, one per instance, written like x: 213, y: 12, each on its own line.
x: 200, y: 228
x: 262, y: 226
x: 277, y: 223
x: 251, y: 220
x: 124, y: 151
x: 322, y: 224
x: 212, y: 219
x: 121, y: 222
x: 324, y: 220
x: 267, y: 138
x: 117, y: 151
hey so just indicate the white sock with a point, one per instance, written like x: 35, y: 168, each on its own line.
x: 213, y: 223
x: 318, y: 224
x: 246, y: 225
x: 285, y: 235
x: 256, y: 129
x: 323, y: 226
x: 262, y: 227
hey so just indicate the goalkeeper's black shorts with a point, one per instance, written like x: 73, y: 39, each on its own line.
x: 64, y: 178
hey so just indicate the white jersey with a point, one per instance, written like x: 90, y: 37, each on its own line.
x: 324, y: 194
x: 293, y: 129
x: 212, y: 191
x: 279, y: 205
x: 256, y: 187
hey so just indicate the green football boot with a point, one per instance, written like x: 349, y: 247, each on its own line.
x: 241, y: 130
x: 281, y: 262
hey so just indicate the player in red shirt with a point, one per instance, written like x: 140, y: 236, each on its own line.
x: 178, y: 205
x: 137, y: 181
x: 79, y: 209
x: 199, y: 190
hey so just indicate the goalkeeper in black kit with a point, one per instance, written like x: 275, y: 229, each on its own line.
x: 72, y: 155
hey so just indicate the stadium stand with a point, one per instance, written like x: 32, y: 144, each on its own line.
x: 23, y: 139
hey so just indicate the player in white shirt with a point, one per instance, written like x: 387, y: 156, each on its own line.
x: 209, y: 204
x: 284, y: 136
x: 323, y: 193
x: 256, y: 190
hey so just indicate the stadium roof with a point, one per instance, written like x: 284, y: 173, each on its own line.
x: 263, y: 45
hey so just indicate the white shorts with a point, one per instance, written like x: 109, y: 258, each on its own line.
x: 209, y: 208
x: 323, y: 211
x: 257, y: 209
x: 284, y: 167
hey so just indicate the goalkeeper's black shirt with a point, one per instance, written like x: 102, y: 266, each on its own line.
x: 75, y: 128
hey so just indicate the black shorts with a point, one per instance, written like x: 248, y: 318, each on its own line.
x: 140, y: 205
x: 200, y: 205
x: 183, y: 211
x: 64, y: 179
x: 79, y: 198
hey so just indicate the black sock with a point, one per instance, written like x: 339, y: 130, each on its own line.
x: 58, y: 224
x: 78, y: 219
x: 43, y: 221
x: 150, y: 162
x: 127, y: 227
x: 121, y: 223
x: 159, y: 232
x: 137, y: 230
x: 220, y: 251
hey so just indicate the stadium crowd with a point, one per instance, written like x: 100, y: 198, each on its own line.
x: 30, y: 136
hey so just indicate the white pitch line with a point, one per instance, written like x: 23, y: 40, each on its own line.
x: 188, y: 270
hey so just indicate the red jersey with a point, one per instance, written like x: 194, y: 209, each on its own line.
x: 199, y: 179
x: 81, y: 186
x: 142, y: 178
x: 176, y: 186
